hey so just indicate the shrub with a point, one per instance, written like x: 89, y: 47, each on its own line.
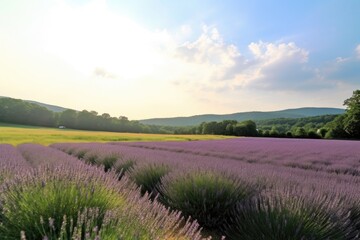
x: 207, y: 196
x: 147, y: 177
x: 80, y: 153
x: 84, y: 203
x: 287, y: 216
x: 109, y: 161
x: 91, y: 158
x: 354, y: 216
x: 53, y: 194
x: 124, y: 166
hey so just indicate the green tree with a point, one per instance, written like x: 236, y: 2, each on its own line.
x: 300, y: 132
x: 336, y: 128
x: 245, y: 128
x: 352, y: 119
x: 68, y: 118
x: 209, y: 128
x: 229, y: 130
x: 274, y: 132
x: 313, y: 134
x: 322, y: 132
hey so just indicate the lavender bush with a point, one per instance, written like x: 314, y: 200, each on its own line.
x: 291, y: 215
x: 208, y: 196
x: 63, y: 198
x: 322, y: 174
x: 148, y: 177
x: 123, y: 167
x: 55, y: 193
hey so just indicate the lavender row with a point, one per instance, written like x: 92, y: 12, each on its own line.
x: 38, y: 156
x: 11, y: 161
x: 196, y: 185
x: 63, y: 198
x: 271, y: 174
x: 320, y: 155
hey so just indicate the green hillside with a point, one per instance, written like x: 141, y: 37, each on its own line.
x: 241, y: 116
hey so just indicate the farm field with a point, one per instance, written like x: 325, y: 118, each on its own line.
x: 243, y: 188
x: 17, y: 134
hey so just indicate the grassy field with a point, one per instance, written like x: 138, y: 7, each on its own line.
x: 17, y: 134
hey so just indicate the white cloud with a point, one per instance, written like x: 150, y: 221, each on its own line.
x: 209, y: 49
x: 358, y: 50
x: 270, y: 53
x: 181, y: 70
x: 96, y: 41
x: 217, y: 65
x: 279, y: 66
x: 270, y: 65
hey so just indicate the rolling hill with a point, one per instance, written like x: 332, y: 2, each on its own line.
x: 241, y: 116
x: 50, y: 107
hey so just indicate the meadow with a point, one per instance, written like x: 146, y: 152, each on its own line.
x: 243, y: 188
x: 17, y: 134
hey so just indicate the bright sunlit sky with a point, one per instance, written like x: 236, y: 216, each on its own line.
x: 156, y: 58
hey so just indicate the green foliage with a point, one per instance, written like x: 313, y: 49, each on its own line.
x: 207, y: 196
x: 274, y: 132
x: 354, y: 216
x: 34, y: 200
x: 352, y: 119
x: 229, y: 127
x: 245, y: 128
x: 300, y: 132
x: 336, y: 128
x: 80, y: 154
x: 91, y: 158
x: 313, y: 134
x: 347, y: 125
x: 266, y: 133
x: 124, y: 166
x: 283, y: 125
x: 295, y: 127
x: 148, y: 176
x: 284, y: 217
x: 84, y: 203
x: 109, y: 161
x: 289, y: 134
x: 68, y: 118
x: 21, y: 112
x: 322, y: 132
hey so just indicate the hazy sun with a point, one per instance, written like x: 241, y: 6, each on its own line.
x: 90, y: 37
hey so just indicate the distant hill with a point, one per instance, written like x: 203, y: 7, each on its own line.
x: 48, y: 106
x: 241, y: 116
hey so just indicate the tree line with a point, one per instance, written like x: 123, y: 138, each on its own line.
x: 344, y: 126
x: 17, y: 111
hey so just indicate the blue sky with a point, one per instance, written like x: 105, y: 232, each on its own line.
x: 158, y: 58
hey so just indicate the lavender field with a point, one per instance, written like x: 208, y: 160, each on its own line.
x: 245, y: 188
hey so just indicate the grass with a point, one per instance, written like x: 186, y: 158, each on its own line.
x: 18, y: 134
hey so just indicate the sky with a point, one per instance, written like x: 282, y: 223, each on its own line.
x: 155, y: 58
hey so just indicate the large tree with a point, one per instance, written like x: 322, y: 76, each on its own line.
x: 68, y: 118
x: 352, y: 119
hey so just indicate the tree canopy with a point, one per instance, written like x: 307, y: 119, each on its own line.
x: 352, y: 118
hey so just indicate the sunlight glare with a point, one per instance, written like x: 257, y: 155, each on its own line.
x: 91, y: 37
